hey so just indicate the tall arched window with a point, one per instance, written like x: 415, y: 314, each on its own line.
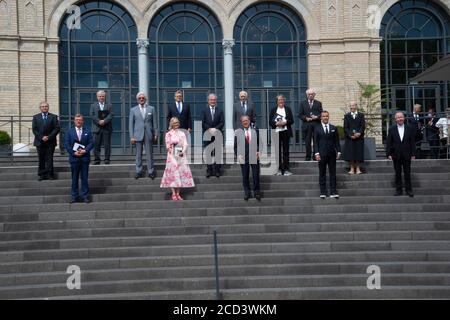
x: 185, y: 53
x: 415, y: 36
x: 270, y: 56
x: 100, y: 54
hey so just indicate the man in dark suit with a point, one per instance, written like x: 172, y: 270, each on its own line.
x: 432, y: 133
x: 79, y: 142
x: 243, y: 108
x: 180, y: 110
x: 327, y: 150
x: 246, y: 144
x: 310, y: 111
x: 101, y: 115
x: 417, y: 121
x: 401, y: 149
x: 45, y: 129
x: 213, y: 121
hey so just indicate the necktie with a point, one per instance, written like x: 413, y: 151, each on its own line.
x: 213, y: 111
x: 311, y: 103
x: 143, y: 112
x: 326, y: 129
x: 247, y: 136
x: 79, y: 134
x: 179, y: 107
x: 244, y: 109
x: 45, y: 117
x: 354, y: 115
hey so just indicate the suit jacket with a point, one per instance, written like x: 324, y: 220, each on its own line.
x: 244, y: 150
x: 207, y: 122
x: 238, y: 112
x: 397, y: 148
x: 432, y: 131
x: 326, y: 144
x: 86, y: 139
x: 350, y: 124
x: 49, y: 128
x: 418, y: 125
x: 184, y: 117
x: 289, y: 119
x: 138, y: 125
x: 94, y: 112
x: 305, y: 111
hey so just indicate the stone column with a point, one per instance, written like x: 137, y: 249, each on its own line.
x: 142, y: 45
x: 228, y: 72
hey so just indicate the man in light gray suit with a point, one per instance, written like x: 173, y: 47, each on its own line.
x: 243, y: 108
x: 143, y: 131
x: 101, y: 115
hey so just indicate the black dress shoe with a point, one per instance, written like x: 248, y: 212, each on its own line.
x: 246, y: 197
x: 307, y: 159
x: 398, y: 193
x: 137, y: 176
x: 40, y: 178
x: 107, y: 162
x: 51, y: 178
x: 96, y: 163
x: 410, y: 194
x: 152, y: 175
x: 208, y: 174
x: 217, y: 174
x: 73, y: 200
x: 258, y: 196
x: 86, y: 200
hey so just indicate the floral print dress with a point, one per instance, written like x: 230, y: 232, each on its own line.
x: 177, y: 173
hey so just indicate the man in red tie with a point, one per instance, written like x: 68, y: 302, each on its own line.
x: 247, y: 151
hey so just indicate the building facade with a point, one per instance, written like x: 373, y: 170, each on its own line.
x: 64, y: 51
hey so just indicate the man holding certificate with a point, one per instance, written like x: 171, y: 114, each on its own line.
x: 79, y: 142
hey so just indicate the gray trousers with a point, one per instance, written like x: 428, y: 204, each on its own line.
x: 147, y: 143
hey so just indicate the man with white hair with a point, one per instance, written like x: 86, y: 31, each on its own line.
x: 243, y: 108
x: 310, y: 111
x: 101, y: 115
x: 143, y: 132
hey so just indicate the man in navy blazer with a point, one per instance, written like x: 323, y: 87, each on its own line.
x: 180, y: 110
x: 213, y: 120
x: 310, y: 111
x: 327, y: 150
x: 401, y: 149
x: 79, y: 159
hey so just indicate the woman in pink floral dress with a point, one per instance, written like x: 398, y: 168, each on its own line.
x: 177, y: 173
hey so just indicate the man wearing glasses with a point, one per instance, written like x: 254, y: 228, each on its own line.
x: 143, y: 132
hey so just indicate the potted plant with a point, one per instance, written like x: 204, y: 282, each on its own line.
x: 369, y: 102
x: 5, y: 143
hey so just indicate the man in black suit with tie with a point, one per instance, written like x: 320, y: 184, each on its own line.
x: 401, y: 149
x: 45, y: 127
x: 310, y: 111
x: 246, y: 144
x: 101, y: 115
x: 213, y: 121
x: 180, y: 110
x: 327, y: 150
x: 417, y: 121
x: 243, y: 108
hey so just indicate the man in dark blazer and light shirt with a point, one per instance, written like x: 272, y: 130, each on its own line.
x: 102, y: 116
x: 401, y: 149
x: 45, y: 127
x: 243, y: 108
x: 327, y: 150
x: 180, y: 110
x: 310, y: 111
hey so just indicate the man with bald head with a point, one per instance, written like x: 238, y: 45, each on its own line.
x: 310, y: 111
x: 401, y: 149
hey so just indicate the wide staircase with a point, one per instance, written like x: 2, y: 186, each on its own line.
x: 132, y: 242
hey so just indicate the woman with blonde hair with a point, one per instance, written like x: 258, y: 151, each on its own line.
x: 177, y: 174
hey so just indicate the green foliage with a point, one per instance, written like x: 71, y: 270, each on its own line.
x: 5, y: 139
x: 341, y: 132
x: 370, y: 104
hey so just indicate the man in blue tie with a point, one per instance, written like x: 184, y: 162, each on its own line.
x: 79, y: 142
x: 181, y: 110
x: 45, y: 129
x: 243, y: 108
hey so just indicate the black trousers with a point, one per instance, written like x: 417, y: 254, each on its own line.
x: 404, y: 165
x: 434, y: 148
x: 308, y: 135
x: 283, y: 151
x: 245, y: 168
x: 45, y: 153
x: 330, y: 162
x: 214, y: 167
x: 102, y: 137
